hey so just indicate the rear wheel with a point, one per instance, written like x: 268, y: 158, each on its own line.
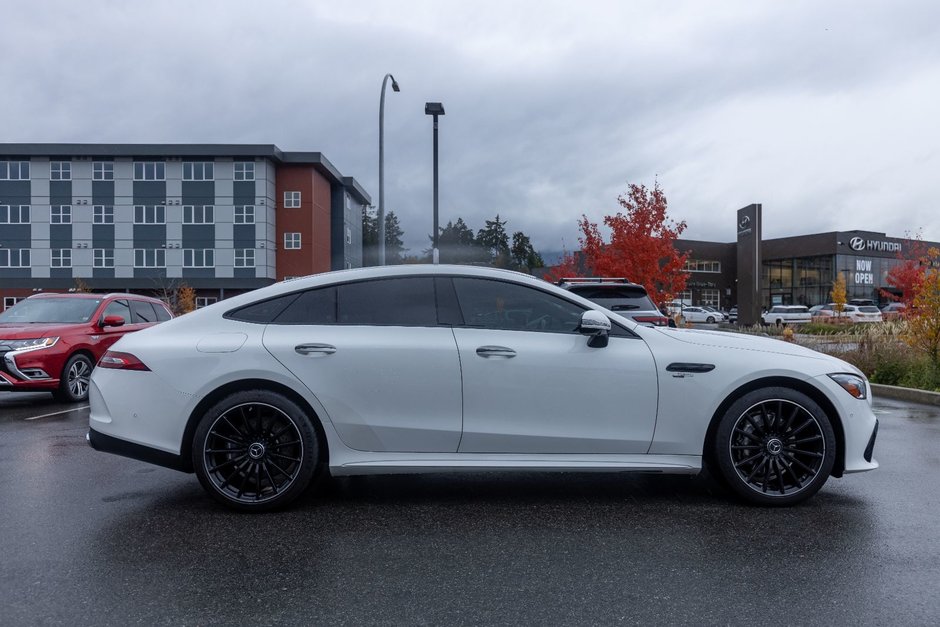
x: 255, y: 450
x: 74, y: 380
x: 775, y: 446
x: 710, y: 319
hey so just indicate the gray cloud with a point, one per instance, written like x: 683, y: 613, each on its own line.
x: 824, y: 112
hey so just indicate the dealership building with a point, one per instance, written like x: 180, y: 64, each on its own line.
x: 752, y: 273
x: 220, y: 218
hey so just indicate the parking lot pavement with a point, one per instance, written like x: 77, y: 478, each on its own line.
x: 94, y: 539
x: 33, y: 406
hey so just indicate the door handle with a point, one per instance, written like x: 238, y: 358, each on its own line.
x: 314, y: 349
x: 495, y: 351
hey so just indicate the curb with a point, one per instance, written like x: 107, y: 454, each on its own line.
x: 905, y: 394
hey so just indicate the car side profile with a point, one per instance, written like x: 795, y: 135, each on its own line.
x: 787, y: 314
x: 52, y: 342
x: 700, y: 314
x: 409, y: 369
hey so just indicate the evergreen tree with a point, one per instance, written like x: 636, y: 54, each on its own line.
x: 524, y: 256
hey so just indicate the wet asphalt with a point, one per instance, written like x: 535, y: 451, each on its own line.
x: 92, y: 539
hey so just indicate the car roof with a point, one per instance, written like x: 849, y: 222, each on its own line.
x: 89, y: 295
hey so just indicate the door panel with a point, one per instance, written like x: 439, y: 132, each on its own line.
x: 385, y: 388
x: 537, y: 392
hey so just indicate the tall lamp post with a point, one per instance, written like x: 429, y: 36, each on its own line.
x: 435, y: 109
x: 382, y: 166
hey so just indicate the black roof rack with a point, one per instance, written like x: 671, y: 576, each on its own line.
x: 593, y: 279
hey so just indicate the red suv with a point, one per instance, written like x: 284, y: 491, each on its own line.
x: 52, y: 341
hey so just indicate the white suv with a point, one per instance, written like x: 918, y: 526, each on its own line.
x: 787, y: 314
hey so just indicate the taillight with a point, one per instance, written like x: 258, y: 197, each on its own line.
x: 121, y: 361
x: 659, y: 321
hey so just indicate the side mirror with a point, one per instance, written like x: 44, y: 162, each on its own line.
x: 597, y: 325
x: 112, y: 321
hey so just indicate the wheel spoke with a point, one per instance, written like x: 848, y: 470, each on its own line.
x: 766, y: 477
x: 803, y: 426
x: 756, y: 469
x: 226, y: 463
x: 216, y: 434
x: 283, y: 444
x: 280, y: 470
x: 747, y: 434
x: 270, y: 478
x: 797, y: 451
x: 749, y: 459
x: 233, y: 427
x: 234, y: 474
x: 226, y: 450
x: 783, y: 488
x: 796, y: 479
x: 805, y: 440
x: 754, y: 423
x: 292, y: 459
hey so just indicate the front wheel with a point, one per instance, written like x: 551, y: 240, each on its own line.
x: 74, y: 380
x: 775, y: 446
x: 255, y: 450
x: 710, y: 319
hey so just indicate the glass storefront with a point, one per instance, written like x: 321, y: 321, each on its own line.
x: 808, y: 280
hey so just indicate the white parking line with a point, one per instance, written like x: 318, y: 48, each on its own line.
x: 56, y: 413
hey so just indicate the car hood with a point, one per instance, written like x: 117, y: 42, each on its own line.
x: 17, y: 331
x: 742, y: 341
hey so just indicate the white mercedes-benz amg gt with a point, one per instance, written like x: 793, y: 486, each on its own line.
x: 409, y: 369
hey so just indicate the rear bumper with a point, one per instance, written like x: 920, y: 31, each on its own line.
x: 109, y: 444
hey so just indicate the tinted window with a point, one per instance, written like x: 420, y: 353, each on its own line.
x: 263, y: 312
x: 498, y: 305
x: 118, y: 308
x: 311, y: 307
x: 162, y: 313
x: 619, y: 298
x: 143, y: 311
x: 400, y: 302
x: 65, y: 309
x: 868, y: 309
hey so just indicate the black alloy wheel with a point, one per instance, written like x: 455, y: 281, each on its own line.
x: 710, y: 319
x: 75, y: 379
x: 255, y: 451
x: 775, y: 447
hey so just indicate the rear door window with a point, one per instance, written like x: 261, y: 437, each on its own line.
x: 490, y: 304
x: 406, y: 301
x: 143, y: 312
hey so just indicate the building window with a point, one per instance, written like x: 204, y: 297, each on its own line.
x: 697, y: 265
x: 102, y: 171
x: 205, y: 301
x: 61, y: 214
x: 14, y: 170
x: 103, y: 214
x: 198, y: 171
x: 149, y: 214
x: 14, y: 214
x: 348, y: 235
x: 198, y: 214
x: 104, y: 258
x: 244, y: 257
x: 61, y: 258
x: 149, y: 171
x: 292, y: 200
x: 686, y: 297
x: 60, y: 170
x: 198, y: 258
x: 244, y: 171
x: 346, y: 200
x: 244, y: 214
x: 9, y: 301
x: 149, y: 258
x: 14, y: 257
x: 711, y: 298
x: 291, y: 241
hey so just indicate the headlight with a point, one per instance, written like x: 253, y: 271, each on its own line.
x: 22, y: 345
x: 853, y: 384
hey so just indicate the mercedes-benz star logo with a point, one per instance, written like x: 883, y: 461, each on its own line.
x: 744, y: 223
x: 857, y: 243
x: 256, y: 450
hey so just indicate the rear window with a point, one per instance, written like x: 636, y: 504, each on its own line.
x: 616, y: 298
x: 868, y: 309
x: 143, y: 311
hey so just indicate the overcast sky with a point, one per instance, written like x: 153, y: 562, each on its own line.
x: 825, y: 112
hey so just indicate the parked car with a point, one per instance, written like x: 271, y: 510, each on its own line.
x: 698, y: 314
x: 893, y: 311
x: 404, y: 369
x: 786, y: 314
x: 53, y: 341
x: 733, y: 315
x: 852, y: 313
x: 620, y: 295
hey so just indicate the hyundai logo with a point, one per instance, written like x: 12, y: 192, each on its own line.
x: 744, y: 223
x: 857, y: 243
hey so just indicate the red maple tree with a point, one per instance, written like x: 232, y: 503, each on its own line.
x: 641, y: 246
x: 908, y: 275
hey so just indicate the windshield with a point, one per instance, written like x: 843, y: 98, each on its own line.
x: 61, y: 310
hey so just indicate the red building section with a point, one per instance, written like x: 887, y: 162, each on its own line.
x: 311, y: 220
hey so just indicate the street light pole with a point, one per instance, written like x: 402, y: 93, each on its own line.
x: 435, y: 109
x: 381, y: 217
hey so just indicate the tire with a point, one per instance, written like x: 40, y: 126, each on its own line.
x: 775, y: 446
x: 256, y: 451
x: 710, y: 319
x: 74, y: 380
